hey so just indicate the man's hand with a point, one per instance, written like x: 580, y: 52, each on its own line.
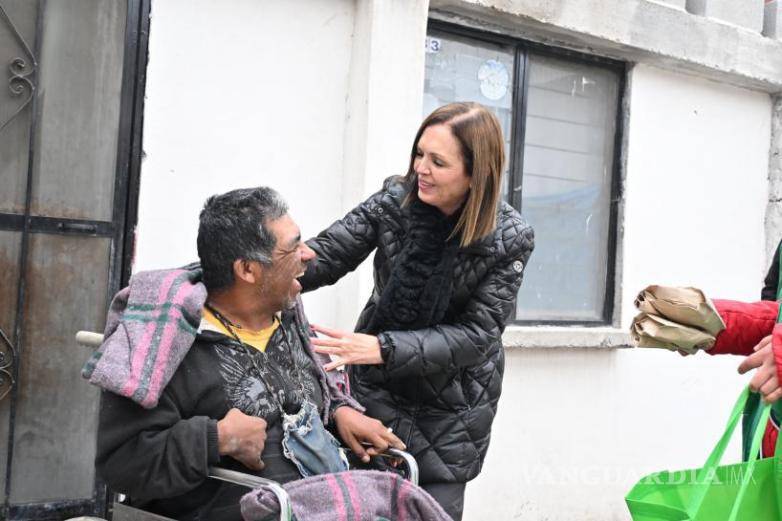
x: 356, y: 428
x: 765, y: 380
x: 242, y: 437
x: 347, y: 347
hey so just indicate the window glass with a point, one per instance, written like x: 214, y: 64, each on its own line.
x: 566, y: 188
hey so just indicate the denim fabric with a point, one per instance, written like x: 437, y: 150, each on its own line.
x: 308, y: 444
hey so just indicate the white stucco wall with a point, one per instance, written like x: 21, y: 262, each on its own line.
x: 577, y: 427
x: 316, y: 106
x: 236, y: 97
x: 696, y: 185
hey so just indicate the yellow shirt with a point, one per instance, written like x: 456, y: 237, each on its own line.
x: 256, y: 339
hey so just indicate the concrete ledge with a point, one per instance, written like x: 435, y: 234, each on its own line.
x: 549, y: 337
x: 742, y: 13
x: 679, y: 4
x: 631, y: 30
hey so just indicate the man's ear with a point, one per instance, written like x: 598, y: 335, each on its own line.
x: 247, y: 271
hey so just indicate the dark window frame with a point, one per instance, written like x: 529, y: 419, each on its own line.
x: 522, y: 49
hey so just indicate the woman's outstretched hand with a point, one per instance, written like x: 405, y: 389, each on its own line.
x: 347, y: 347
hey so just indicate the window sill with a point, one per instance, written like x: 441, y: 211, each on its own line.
x: 551, y: 337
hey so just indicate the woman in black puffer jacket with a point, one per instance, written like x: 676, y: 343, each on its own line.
x: 427, y: 356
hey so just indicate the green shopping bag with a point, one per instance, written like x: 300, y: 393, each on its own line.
x: 751, y: 419
x: 754, y: 405
x: 745, y: 491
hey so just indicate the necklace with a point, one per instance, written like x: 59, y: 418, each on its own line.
x: 225, y: 320
x: 252, y: 353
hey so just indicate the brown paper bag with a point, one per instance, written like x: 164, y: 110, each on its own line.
x: 654, y: 331
x: 685, y: 306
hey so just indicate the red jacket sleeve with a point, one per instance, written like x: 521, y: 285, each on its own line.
x: 746, y: 324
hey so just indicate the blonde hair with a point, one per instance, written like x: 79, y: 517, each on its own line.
x: 480, y: 139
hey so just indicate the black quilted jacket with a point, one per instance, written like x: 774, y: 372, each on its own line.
x: 440, y: 385
x: 771, y: 284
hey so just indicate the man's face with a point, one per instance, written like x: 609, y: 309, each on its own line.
x: 289, y: 261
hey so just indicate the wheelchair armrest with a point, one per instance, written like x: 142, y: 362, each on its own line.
x: 89, y: 338
x: 407, y: 459
x: 123, y: 512
x: 286, y: 511
x: 249, y: 480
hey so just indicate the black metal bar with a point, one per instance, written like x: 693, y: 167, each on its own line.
x: 538, y: 48
x: 23, y: 257
x: 11, y: 221
x: 519, y: 133
x: 51, y: 511
x: 126, y: 178
x: 124, y: 140
x: 56, y: 225
x: 514, y: 158
x: 134, y: 170
x: 616, y: 196
x: 521, y: 127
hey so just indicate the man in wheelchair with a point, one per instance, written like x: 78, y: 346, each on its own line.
x: 250, y: 394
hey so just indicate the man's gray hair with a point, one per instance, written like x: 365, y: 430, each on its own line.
x: 234, y: 226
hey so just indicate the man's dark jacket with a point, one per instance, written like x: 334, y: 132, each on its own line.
x: 771, y: 282
x: 440, y: 385
x: 160, y: 457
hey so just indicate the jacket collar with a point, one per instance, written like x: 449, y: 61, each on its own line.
x: 484, y: 247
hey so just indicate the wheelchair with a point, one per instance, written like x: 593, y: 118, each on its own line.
x: 124, y: 512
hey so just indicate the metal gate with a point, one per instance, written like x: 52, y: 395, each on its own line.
x: 70, y: 126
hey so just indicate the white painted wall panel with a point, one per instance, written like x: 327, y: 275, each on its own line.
x: 237, y: 96
x: 696, y: 186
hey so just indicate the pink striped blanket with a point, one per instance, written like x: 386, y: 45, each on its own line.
x: 150, y: 326
x: 354, y: 495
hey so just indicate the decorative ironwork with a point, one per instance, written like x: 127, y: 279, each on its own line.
x: 7, y: 359
x: 21, y: 71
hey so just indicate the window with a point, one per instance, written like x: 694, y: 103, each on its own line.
x: 558, y: 112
